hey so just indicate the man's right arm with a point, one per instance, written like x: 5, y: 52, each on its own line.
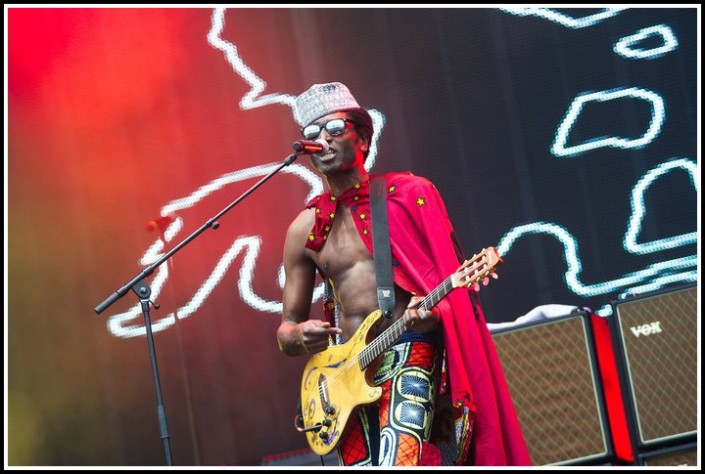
x: 297, y: 334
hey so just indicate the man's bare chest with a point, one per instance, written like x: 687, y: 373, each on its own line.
x: 344, y: 248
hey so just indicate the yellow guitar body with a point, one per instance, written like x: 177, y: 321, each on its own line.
x: 333, y: 386
x: 339, y: 380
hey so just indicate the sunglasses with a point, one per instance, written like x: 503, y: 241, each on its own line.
x: 334, y: 128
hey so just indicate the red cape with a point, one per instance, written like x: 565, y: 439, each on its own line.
x: 488, y: 433
x: 416, y: 208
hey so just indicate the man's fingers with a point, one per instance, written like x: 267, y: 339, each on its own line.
x: 414, y: 302
x: 323, y: 329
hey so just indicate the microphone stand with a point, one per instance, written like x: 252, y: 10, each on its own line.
x: 143, y: 291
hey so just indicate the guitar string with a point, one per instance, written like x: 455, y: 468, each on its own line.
x: 363, y: 357
x: 426, y: 303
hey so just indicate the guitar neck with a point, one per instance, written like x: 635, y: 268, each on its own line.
x: 394, y: 332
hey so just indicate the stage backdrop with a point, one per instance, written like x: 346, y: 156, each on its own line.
x: 565, y: 138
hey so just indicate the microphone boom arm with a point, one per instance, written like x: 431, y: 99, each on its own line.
x: 143, y: 291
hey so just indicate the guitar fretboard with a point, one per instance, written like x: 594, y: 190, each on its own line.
x: 394, y: 332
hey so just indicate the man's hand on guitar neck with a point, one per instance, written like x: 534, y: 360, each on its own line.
x: 485, y: 282
x: 419, y: 319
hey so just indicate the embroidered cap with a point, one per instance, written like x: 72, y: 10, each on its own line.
x: 323, y: 99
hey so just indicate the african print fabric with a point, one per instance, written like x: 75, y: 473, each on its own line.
x: 392, y: 431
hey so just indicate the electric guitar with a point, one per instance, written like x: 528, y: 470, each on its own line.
x: 338, y: 380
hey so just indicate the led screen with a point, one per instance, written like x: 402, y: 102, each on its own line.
x: 565, y: 138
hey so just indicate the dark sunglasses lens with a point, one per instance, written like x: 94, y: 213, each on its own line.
x: 335, y: 127
x: 311, y: 132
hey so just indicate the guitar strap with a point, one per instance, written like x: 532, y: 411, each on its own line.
x: 380, y: 245
x: 383, y: 264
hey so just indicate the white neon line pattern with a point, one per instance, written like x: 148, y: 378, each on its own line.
x: 658, y: 116
x: 653, y: 277
x: 627, y: 46
x: 563, y: 19
x: 120, y: 324
x: 639, y: 209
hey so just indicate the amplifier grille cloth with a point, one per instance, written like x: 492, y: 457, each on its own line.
x: 550, y: 374
x: 662, y: 366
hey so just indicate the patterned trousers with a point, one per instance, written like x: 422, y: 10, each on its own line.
x: 391, y: 432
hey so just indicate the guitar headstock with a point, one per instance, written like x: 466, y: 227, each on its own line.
x: 474, y: 269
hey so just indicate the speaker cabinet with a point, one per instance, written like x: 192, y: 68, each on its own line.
x: 553, y: 377
x: 684, y: 455
x: 656, y: 350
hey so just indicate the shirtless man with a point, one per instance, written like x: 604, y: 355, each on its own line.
x: 333, y: 236
x: 344, y: 259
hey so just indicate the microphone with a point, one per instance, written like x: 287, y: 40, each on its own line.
x: 307, y: 146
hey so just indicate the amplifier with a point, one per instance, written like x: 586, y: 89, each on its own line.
x: 656, y: 350
x: 684, y: 455
x: 553, y: 376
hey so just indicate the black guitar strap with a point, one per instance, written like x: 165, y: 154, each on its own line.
x: 380, y: 245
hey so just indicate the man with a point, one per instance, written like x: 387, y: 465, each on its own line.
x: 446, y: 352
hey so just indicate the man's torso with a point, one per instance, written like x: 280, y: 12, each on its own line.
x: 345, y: 260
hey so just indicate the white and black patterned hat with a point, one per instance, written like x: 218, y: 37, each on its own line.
x: 323, y: 99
